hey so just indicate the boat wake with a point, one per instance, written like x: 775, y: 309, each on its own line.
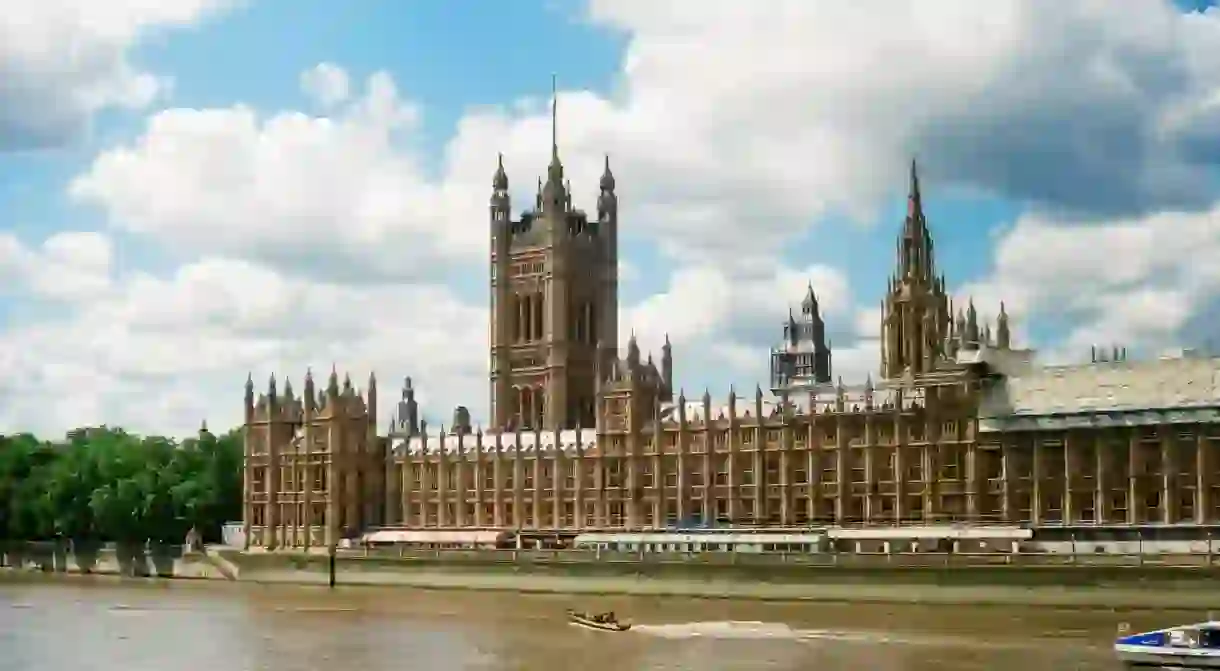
x: 739, y: 630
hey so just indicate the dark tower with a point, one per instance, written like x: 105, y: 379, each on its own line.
x: 554, y: 297
x: 915, y: 311
x: 804, y: 352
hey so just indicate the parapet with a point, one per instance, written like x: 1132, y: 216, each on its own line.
x: 546, y: 442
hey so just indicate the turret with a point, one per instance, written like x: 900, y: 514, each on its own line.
x: 272, y: 396
x: 249, y: 399
x: 501, y: 203
x: 371, y: 400
x: 667, y: 370
x: 1003, y: 337
x: 971, y: 339
x: 332, y: 388
x: 607, y: 200
x: 310, y: 398
x: 408, y: 410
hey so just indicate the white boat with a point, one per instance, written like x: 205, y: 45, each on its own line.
x: 603, y: 622
x: 1191, y: 646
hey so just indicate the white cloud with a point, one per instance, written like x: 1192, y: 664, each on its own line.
x: 71, y: 266
x: 1134, y: 282
x: 165, y: 353
x: 62, y: 60
x: 326, y: 84
x: 1074, y: 107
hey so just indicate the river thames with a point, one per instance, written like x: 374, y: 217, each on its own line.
x: 106, y: 625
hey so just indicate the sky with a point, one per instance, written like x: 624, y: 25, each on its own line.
x: 193, y: 191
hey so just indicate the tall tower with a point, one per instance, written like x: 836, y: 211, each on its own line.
x: 804, y: 354
x: 554, y: 299
x: 915, y: 310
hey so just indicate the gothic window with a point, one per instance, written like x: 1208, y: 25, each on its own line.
x: 538, y: 303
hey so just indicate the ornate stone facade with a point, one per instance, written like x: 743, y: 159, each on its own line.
x: 959, y: 426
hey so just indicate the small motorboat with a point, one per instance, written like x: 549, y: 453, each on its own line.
x: 597, y: 621
x: 1191, y: 646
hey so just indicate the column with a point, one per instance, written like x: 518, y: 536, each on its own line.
x: 600, y: 514
x: 734, y: 471
x: 271, y: 530
x: 497, y: 481
x: 842, y: 472
x: 539, y: 491
x: 785, y: 471
x: 334, y: 485
x: 659, y: 489
x: 1006, y: 480
x: 813, y: 466
x: 518, y: 467
x: 681, y: 447
x: 480, y: 476
x: 758, y: 464
x: 408, y: 476
x: 1101, y: 477
x: 1135, y: 500
x: 559, y: 476
x: 709, y: 475
x: 247, y: 493
x: 425, y: 488
x: 900, y: 465
x: 870, y: 475
x: 442, y: 484
x: 1035, y: 480
x: 974, y: 487
x: 578, y: 492
x: 1069, y: 466
x: 1169, y: 474
x: 1203, y: 480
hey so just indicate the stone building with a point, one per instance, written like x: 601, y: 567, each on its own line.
x: 315, y: 469
x: 959, y: 425
x: 805, y: 351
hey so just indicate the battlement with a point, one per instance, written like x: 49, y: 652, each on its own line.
x: 333, y: 400
x: 547, y: 442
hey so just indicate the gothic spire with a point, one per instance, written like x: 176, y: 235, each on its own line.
x: 1003, y: 338
x: 499, y: 181
x: 915, y: 246
x: 554, y: 194
x: 809, y: 306
x: 914, y: 206
x: 607, y: 180
x: 555, y: 171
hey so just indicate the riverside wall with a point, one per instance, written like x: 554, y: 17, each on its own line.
x: 134, y: 561
x: 1171, y: 582
x: 1184, y: 581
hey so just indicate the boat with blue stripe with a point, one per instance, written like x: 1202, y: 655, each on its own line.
x: 1190, y: 646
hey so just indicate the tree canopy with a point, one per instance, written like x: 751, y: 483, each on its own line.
x: 104, y: 484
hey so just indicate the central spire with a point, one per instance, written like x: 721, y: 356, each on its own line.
x: 554, y: 194
x: 554, y: 120
x: 915, y: 256
x: 555, y: 172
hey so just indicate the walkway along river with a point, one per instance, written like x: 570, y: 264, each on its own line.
x: 108, y: 624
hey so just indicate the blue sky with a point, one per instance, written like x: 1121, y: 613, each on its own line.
x: 155, y: 249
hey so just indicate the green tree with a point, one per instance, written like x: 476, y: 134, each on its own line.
x: 109, y: 485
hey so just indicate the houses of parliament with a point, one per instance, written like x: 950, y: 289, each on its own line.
x: 959, y: 425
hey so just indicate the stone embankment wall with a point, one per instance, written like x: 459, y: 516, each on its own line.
x: 166, y: 561
x: 754, y: 577
x: 964, y: 580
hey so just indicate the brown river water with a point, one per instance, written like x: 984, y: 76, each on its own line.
x: 108, y: 625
